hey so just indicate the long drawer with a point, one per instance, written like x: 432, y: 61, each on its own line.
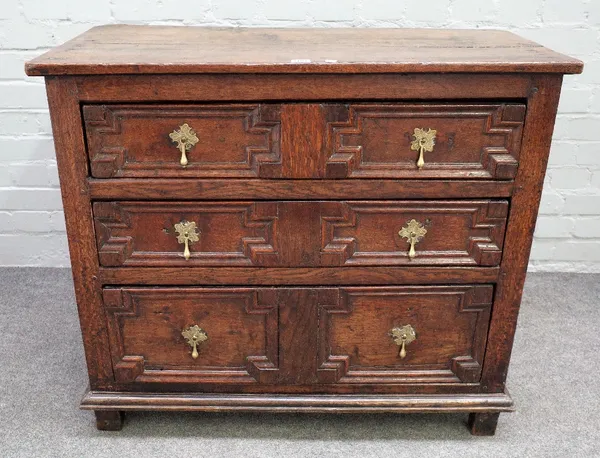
x: 300, y: 233
x: 351, y: 140
x: 299, y: 336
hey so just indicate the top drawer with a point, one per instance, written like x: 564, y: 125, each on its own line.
x: 329, y: 141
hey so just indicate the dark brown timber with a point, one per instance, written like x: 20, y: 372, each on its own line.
x: 295, y: 155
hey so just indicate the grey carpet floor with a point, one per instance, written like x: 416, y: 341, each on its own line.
x: 554, y: 378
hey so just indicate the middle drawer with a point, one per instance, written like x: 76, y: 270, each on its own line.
x: 300, y: 233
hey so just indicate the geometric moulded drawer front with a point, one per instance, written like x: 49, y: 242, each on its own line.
x: 298, y: 336
x: 478, y: 141
x: 301, y: 233
x: 232, y: 141
x: 459, y: 141
x: 447, y: 332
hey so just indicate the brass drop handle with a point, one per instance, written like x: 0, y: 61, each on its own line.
x: 402, y: 336
x: 186, y: 138
x: 413, y: 232
x: 424, y: 142
x: 194, y: 335
x: 186, y: 234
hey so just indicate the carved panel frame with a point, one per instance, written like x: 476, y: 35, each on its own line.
x: 484, y: 247
x: 461, y: 368
x: 498, y: 162
x: 116, y: 250
x: 109, y: 161
x: 121, y: 304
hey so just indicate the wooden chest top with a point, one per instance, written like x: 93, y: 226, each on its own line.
x: 130, y: 49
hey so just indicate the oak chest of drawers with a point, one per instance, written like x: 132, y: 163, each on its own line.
x: 300, y: 220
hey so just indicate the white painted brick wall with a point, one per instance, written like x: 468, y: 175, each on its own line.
x: 32, y: 230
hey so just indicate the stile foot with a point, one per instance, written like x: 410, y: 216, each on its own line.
x: 109, y: 420
x: 483, y: 424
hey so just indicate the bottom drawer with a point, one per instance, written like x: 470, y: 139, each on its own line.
x: 318, y: 338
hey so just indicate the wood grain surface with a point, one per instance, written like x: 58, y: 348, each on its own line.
x: 304, y: 141
x: 123, y: 49
x: 300, y: 233
x: 203, y: 402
